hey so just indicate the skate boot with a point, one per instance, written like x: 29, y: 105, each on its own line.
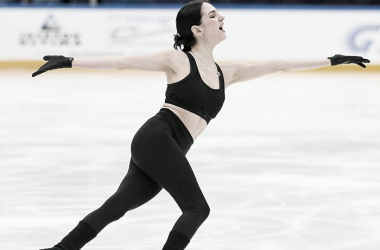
x: 77, y: 238
x: 176, y: 241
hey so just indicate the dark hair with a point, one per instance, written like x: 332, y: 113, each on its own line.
x: 187, y: 16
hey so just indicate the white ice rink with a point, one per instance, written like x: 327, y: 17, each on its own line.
x: 291, y: 162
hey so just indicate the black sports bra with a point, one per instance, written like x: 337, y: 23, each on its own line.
x: 194, y: 95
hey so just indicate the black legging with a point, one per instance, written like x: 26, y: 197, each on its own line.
x: 158, y: 161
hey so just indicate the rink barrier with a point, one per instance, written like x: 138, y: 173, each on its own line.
x: 271, y: 33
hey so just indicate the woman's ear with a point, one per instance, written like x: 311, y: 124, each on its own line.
x: 195, y: 30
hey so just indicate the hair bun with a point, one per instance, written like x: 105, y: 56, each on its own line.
x: 177, y: 39
x: 179, y: 42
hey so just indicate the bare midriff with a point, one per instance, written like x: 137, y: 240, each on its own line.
x: 194, y: 123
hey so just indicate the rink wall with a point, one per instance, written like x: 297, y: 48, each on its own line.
x: 253, y: 34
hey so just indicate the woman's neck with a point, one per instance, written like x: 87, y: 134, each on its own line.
x: 205, y: 54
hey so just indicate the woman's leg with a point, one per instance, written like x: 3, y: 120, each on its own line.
x: 157, y: 153
x: 135, y: 190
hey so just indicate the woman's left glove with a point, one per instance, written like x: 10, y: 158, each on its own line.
x: 54, y: 62
x: 341, y: 59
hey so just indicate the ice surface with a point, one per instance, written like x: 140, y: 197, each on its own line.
x: 291, y: 162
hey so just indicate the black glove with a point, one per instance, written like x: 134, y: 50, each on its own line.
x: 54, y: 62
x: 341, y: 59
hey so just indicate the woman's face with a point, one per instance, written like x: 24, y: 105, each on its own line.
x: 211, y: 23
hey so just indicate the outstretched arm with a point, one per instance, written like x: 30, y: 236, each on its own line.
x: 240, y: 72
x: 101, y: 62
x: 157, y: 61
x: 302, y: 64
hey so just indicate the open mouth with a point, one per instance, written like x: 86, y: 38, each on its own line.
x: 221, y: 28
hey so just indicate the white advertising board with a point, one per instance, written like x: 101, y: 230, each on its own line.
x: 252, y: 34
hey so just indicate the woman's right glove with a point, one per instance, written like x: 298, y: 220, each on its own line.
x: 341, y: 59
x: 54, y: 62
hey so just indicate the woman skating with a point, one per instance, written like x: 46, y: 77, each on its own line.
x: 195, y: 94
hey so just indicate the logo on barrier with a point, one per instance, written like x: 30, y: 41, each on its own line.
x: 131, y: 28
x: 363, y: 39
x: 129, y: 33
x: 50, y: 34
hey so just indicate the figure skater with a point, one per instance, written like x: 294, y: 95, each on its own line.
x: 195, y: 94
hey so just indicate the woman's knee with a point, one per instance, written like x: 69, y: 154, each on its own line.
x: 205, y: 211
x: 202, y: 209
